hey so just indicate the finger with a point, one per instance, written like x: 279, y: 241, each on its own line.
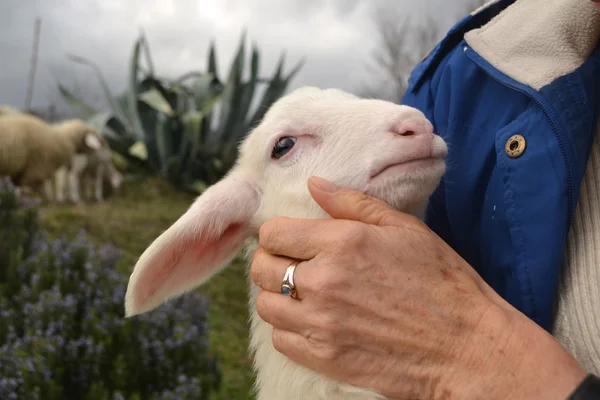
x: 283, y: 312
x: 341, y: 203
x: 295, y: 238
x: 303, y: 351
x: 267, y: 272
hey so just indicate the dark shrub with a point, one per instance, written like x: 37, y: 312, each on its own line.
x: 62, y: 330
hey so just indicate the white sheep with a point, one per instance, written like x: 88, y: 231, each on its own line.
x: 386, y: 150
x: 89, y: 171
x: 34, y: 153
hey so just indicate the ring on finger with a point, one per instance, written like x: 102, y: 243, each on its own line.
x: 288, y: 288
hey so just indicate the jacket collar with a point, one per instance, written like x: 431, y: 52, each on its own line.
x: 537, y: 41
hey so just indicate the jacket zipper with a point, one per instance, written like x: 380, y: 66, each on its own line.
x: 547, y: 110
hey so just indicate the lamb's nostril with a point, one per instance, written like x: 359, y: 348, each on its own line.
x: 412, y: 128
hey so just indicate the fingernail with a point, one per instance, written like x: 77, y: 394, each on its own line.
x: 324, y: 184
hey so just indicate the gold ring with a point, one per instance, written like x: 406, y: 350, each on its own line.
x: 287, y: 284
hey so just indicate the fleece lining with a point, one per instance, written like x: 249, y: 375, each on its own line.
x: 535, y: 42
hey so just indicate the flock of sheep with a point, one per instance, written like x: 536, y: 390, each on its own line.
x: 58, y: 159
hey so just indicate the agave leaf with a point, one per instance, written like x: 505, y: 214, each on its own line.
x: 123, y: 103
x: 193, y: 132
x: 175, y: 134
x: 107, y: 125
x: 156, y: 100
x: 147, y: 53
x: 187, y: 97
x: 79, y: 106
x: 139, y: 150
x: 107, y: 93
x: 182, y: 97
x: 132, y: 94
x: 248, y: 91
x: 270, y: 93
x: 150, y: 119
x: 207, y: 91
x: 189, y: 75
x: 168, y: 136
x: 295, y: 70
x: 212, y: 60
x: 161, y: 143
x: 274, y: 91
x: 232, y: 94
x: 191, y: 141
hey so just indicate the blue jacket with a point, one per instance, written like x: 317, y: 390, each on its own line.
x: 506, y: 216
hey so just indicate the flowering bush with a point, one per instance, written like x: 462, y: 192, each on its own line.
x: 63, y: 334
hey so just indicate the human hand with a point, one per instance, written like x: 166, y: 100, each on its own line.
x: 384, y: 303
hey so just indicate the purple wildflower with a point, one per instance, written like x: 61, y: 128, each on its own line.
x: 62, y: 331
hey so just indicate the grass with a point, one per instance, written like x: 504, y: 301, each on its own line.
x: 131, y: 221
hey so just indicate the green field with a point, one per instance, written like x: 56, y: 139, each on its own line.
x: 134, y: 218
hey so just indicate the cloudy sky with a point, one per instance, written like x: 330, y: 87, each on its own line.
x: 335, y: 36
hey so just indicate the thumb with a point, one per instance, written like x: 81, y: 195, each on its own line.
x: 341, y: 203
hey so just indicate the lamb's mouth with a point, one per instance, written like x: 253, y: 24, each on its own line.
x: 415, y: 164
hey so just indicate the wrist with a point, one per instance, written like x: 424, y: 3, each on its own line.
x: 509, y: 356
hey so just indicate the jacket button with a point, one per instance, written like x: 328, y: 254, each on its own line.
x: 515, y: 146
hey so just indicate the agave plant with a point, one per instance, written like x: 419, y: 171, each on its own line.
x: 185, y: 129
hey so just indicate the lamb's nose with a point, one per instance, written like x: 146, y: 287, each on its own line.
x: 413, y: 128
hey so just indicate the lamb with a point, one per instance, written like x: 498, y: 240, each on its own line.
x: 386, y: 150
x: 33, y: 153
x: 90, y: 171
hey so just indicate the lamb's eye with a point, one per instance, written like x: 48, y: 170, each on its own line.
x: 284, y: 145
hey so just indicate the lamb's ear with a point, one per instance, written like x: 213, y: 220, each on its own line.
x: 92, y: 141
x: 203, y: 241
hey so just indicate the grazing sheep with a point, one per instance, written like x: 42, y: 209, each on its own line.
x: 34, y: 153
x: 362, y: 144
x: 90, y: 171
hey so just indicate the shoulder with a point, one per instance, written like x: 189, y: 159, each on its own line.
x: 498, y: 60
x: 534, y: 52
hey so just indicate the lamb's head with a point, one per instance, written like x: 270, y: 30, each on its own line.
x: 374, y: 146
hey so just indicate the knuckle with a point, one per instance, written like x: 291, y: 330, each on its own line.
x: 354, y: 235
x: 364, y: 202
x: 376, y: 208
x: 327, y: 352
x: 326, y: 285
x: 277, y: 338
x: 256, y: 270
x: 267, y: 233
x: 329, y: 324
x: 261, y: 304
x: 264, y: 233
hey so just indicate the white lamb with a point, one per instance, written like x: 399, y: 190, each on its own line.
x: 90, y: 171
x: 374, y: 146
x: 33, y: 152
